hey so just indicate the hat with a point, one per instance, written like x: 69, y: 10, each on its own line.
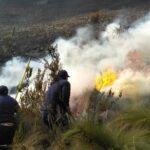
x: 63, y: 74
x: 3, y: 90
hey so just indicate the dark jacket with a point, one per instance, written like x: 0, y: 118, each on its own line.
x: 8, y: 107
x: 58, y: 94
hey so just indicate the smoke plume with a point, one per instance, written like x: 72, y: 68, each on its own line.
x: 86, y: 55
x: 13, y: 70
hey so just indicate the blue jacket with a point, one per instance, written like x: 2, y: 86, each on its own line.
x: 58, y: 94
x: 8, y: 107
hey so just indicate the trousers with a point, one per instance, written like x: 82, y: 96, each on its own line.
x: 6, y: 134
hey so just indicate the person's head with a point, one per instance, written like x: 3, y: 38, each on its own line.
x: 63, y: 74
x: 3, y: 90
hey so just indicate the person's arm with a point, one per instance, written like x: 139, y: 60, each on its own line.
x: 66, y: 94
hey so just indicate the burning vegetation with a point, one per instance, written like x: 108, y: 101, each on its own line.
x: 109, y: 112
x: 102, y: 120
x: 106, y: 79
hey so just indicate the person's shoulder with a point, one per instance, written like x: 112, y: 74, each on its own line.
x: 12, y: 99
x: 8, y: 99
x: 64, y: 82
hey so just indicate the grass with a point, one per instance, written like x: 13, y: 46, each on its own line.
x: 109, y: 122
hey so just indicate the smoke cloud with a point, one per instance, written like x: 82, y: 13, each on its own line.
x: 13, y: 70
x: 126, y: 51
x: 86, y: 55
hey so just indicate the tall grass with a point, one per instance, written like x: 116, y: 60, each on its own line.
x: 31, y: 133
x: 109, y: 122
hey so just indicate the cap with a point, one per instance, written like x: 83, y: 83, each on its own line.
x: 63, y: 74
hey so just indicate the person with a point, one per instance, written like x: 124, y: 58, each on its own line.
x: 56, y: 103
x: 8, y: 107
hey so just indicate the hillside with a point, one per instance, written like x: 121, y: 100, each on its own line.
x: 28, y: 27
x: 38, y: 11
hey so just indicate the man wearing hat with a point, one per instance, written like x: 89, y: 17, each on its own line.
x: 8, y: 108
x: 57, y: 99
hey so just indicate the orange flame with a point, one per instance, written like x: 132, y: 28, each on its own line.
x: 106, y: 79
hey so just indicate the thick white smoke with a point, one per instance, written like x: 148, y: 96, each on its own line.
x: 13, y: 70
x: 85, y: 56
x: 133, y: 84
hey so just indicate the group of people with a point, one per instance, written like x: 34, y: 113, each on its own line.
x: 53, y: 111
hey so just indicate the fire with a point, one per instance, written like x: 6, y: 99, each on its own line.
x: 106, y: 79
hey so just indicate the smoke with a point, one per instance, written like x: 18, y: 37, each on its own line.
x: 86, y: 55
x: 91, y: 52
x: 132, y: 84
x: 13, y: 70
